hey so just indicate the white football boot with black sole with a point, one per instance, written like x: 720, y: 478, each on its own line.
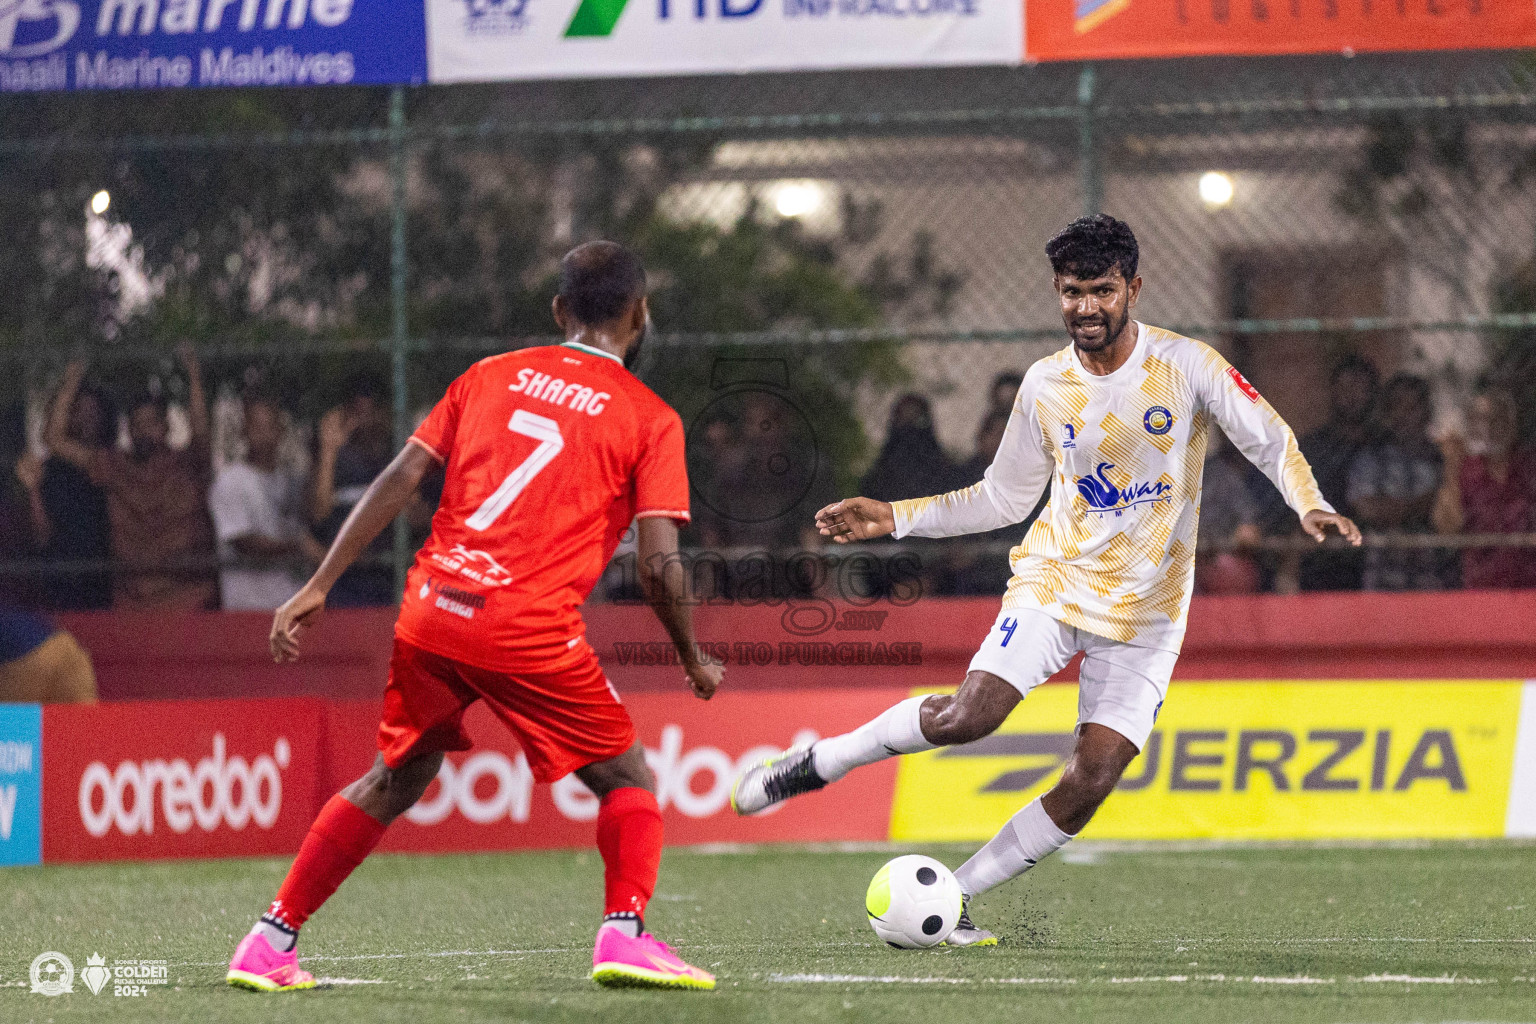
x: 775, y: 780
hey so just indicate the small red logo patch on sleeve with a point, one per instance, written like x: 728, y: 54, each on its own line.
x: 1242, y: 384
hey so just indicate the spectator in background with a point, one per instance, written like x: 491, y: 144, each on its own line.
x: 1331, y: 450
x: 157, y: 504
x: 1228, y: 516
x: 1490, y: 487
x: 354, y: 447
x: 911, y: 463
x: 989, y: 435
x: 1005, y: 388
x: 67, y: 513
x: 1392, y: 486
x: 257, y: 509
x: 970, y: 567
x: 42, y: 664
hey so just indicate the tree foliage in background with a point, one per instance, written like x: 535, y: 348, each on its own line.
x: 1397, y: 190
x: 280, y: 243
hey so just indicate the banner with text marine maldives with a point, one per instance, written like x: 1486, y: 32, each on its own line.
x: 491, y: 40
x: 55, y: 45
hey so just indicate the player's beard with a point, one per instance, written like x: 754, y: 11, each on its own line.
x: 1113, y: 325
x: 633, y: 355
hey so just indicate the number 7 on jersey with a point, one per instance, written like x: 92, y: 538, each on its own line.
x: 543, y: 430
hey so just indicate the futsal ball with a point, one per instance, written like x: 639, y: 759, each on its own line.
x: 913, y: 902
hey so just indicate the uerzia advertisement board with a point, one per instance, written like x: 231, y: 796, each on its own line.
x: 55, y: 45
x: 488, y: 40
x: 1258, y: 760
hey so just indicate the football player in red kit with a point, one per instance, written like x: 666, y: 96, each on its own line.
x: 549, y: 454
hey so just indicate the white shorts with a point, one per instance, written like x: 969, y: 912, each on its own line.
x: 1119, y: 686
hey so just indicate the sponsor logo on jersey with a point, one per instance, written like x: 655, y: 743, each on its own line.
x: 474, y: 564
x: 1158, y: 420
x: 1242, y: 384
x: 1068, y: 436
x: 1103, y: 495
x: 452, y: 599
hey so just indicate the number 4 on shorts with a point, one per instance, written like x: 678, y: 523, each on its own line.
x: 543, y: 430
x: 1007, y: 626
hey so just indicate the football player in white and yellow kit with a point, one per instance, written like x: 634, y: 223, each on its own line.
x: 1115, y: 424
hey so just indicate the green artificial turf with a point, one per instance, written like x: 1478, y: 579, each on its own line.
x: 1267, y: 934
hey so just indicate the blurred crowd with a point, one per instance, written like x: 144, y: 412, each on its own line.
x: 122, y: 515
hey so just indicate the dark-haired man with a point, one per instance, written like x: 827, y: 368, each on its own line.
x: 1115, y: 425
x: 549, y: 454
x: 157, y: 506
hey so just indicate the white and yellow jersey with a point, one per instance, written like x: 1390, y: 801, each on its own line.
x: 1113, y: 552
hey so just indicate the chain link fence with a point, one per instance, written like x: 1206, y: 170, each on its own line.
x: 820, y: 245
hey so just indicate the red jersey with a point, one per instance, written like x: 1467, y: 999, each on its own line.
x: 549, y: 454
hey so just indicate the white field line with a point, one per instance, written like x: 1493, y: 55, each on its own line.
x: 352, y: 981
x: 863, y: 979
x: 1159, y: 979
x: 436, y: 955
x: 1115, y: 846
x: 1359, y: 938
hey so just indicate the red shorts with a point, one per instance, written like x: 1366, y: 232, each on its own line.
x: 563, y: 720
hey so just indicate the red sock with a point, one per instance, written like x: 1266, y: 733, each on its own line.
x: 337, y: 842
x: 629, y: 838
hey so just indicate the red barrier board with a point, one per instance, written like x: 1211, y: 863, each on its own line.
x: 1101, y: 29
x: 486, y: 799
x: 157, y: 779
x: 151, y: 779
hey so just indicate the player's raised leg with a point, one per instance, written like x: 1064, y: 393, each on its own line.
x: 629, y: 837
x: 1022, y: 650
x: 914, y: 725
x: 347, y: 829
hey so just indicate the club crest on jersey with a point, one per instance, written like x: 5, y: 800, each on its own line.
x: 1158, y: 420
x: 1102, y: 495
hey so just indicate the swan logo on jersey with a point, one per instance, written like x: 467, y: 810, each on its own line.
x: 1103, y: 495
x: 1158, y: 420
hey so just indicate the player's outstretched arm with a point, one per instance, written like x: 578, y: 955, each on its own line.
x: 665, y: 582
x: 856, y: 519
x: 384, y: 500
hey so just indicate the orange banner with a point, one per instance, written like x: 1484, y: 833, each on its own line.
x: 1102, y: 29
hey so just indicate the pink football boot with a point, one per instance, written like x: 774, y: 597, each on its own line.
x: 619, y: 961
x: 260, y: 968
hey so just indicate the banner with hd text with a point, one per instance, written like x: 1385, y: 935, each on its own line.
x: 495, y: 40
x: 57, y: 45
